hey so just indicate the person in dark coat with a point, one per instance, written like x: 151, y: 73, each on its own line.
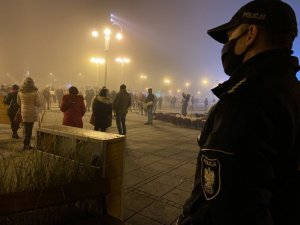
x: 149, y: 106
x: 185, y: 103
x: 120, y: 105
x: 205, y: 104
x: 59, y: 95
x: 248, y: 166
x: 11, y: 100
x: 73, y: 107
x: 102, y: 111
x: 89, y: 96
x: 47, y: 97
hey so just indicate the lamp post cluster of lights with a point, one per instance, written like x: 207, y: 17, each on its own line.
x: 143, y: 77
x: 167, y: 81
x: 122, y: 61
x: 97, y: 61
x: 107, y: 37
x: 187, y: 85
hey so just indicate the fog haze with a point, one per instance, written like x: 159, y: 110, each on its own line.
x: 51, y: 41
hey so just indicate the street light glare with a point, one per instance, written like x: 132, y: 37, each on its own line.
x: 205, y: 81
x: 119, y: 36
x: 119, y: 60
x: 107, y: 32
x: 95, y: 34
x: 122, y: 60
x: 143, y: 77
x: 167, y: 81
x: 97, y: 60
x: 126, y: 60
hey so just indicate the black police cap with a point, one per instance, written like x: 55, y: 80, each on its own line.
x: 275, y: 15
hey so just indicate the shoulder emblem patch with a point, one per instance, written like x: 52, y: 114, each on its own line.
x: 210, y: 177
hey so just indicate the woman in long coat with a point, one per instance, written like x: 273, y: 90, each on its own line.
x: 73, y: 107
x: 30, y: 100
x: 102, y: 110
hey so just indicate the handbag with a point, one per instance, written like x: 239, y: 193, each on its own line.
x: 18, y: 116
x: 92, y: 119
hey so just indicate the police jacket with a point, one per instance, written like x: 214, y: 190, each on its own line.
x: 248, y: 164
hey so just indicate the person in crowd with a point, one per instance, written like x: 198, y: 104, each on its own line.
x: 120, y: 105
x: 73, y: 107
x: 30, y: 101
x: 171, y: 99
x: 132, y: 101
x: 192, y: 103
x: 185, y: 103
x: 89, y: 96
x: 159, y: 102
x: 47, y: 97
x: 155, y: 104
x: 248, y: 168
x: 3, y: 91
x: 102, y: 111
x: 112, y: 95
x: 149, y: 106
x: 13, y: 107
x: 173, y: 102
x: 141, y: 100
x: 52, y: 95
x: 205, y: 104
x: 59, y: 92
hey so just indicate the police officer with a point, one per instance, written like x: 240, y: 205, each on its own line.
x: 248, y: 165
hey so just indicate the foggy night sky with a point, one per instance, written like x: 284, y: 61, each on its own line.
x: 163, y: 39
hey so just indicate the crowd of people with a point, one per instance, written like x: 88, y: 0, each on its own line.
x: 27, y: 101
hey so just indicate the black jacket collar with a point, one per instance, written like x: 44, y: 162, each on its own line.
x: 275, y: 62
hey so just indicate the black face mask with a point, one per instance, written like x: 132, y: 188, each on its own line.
x: 230, y: 60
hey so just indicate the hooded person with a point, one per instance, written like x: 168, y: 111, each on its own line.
x: 102, y: 111
x: 73, y: 107
x: 13, y: 107
x: 248, y: 166
x: 30, y: 101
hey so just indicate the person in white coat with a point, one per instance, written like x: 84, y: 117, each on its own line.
x: 29, y: 100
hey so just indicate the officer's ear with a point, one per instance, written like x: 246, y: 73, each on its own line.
x: 252, y: 35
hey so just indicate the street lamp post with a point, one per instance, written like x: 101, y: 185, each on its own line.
x: 143, y: 77
x: 107, y: 33
x: 97, y: 61
x: 107, y: 36
x: 167, y: 82
x: 122, y: 61
x: 187, y: 85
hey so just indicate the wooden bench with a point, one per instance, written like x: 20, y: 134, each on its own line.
x: 12, y: 204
